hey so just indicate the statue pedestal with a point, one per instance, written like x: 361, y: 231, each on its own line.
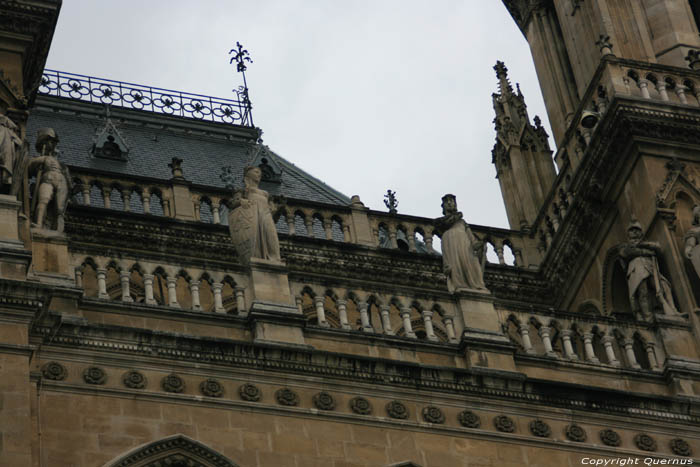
x: 14, y: 259
x: 275, y: 317
x: 50, y: 259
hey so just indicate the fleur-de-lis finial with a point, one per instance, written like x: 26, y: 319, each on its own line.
x: 390, y: 201
x: 241, y: 56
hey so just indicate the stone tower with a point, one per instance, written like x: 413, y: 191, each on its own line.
x: 521, y: 155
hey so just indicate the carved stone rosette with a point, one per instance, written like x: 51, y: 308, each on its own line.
x: 610, y: 438
x: 504, y: 423
x: 540, y: 428
x: 432, y: 414
x: 94, y: 375
x: 324, y: 401
x: 249, y: 392
x: 360, y: 405
x: 645, y: 442
x: 172, y: 383
x: 286, y: 396
x: 134, y: 380
x: 680, y: 447
x: 397, y: 409
x: 575, y: 433
x: 469, y: 419
x: 211, y: 388
x: 54, y: 371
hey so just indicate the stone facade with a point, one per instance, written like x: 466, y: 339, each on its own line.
x: 138, y: 333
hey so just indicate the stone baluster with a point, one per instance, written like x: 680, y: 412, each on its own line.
x: 392, y: 236
x: 555, y: 218
x: 346, y: 233
x: 216, y: 288
x: 499, y: 253
x: 661, y: 88
x: 428, y: 323
x: 364, y: 317
x: 194, y: 291
x: 102, y: 283
x: 343, y: 313
x: 544, y: 332
x: 524, y: 331
x: 629, y: 352
x: 239, y: 293
x: 124, y: 278
x: 518, y: 258
x: 586, y: 133
x: 309, y: 221
x: 375, y: 234
x: 166, y: 207
x: 568, y: 348
x: 411, y: 237
x: 548, y: 238
x: 680, y: 92
x: 79, y: 277
x: 107, y: 197
x: 651, y: 355
x: 215, y: 212
x: 290, y: 223
x: 126, y: 200
x: 428, y: 239
x: 328, y: 228
x: 146, y: 199
x: 197, y: 203
x: 644, y: 88
x: 172, y: 292
x: 407, y: 327
x: 86, y: 195
x: 602, y: 106
x: 588, y: 348
x: 607, y: 342
x: 319, y: 301
x: 449, y: 323
x: 300, y: 305
x: 148, y: 289
x: 386, y: 321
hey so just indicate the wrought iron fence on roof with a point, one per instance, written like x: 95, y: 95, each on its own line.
x: 147, y: 98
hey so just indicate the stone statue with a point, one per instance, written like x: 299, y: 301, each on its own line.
x: 460, y: 249
x: 10, y: 154
x: 53, y: 183
x: 649, y: 291
x: 692, y: 241
x: 251, y: 222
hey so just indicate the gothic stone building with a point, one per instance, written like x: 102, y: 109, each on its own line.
x: 135, y: 332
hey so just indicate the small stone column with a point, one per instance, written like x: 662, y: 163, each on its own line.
x: 328, y: 228
x: 125, y: 277
x: 126, y: 199
x: 499, y: 253
x: 102, y: 283
x: 661, y: 87
x: 411, y: 242
x: 146, y: 199
x: 392, y: 237
x: 86, y: 195
x: 644, y: 88
x: 518, y: 254
x: 107, y: 197
x: 343, y: 313
x: 172, y: 292
x: 197, y: 204
x: 239, y: 293
x: 194, y: 291
x: 449, y: 323
x: 364, y: 317
x: 148, y: 289
x: 215, y: 212
x: 428, y: 323
x: 525, y: 337
x: 290, y: 224
x: 79, y: 277
x: 680, y: 92
x: 309, y: 222
x: 386, y: 323
x: 609, y: 351
x: 568, y: 348
x: 299, y: 302
x: 588, y: 348
x: 428, y: 239
x: 651, y: 355
x: 544, y: 335
x: 406, y: 317
x: 629, y: 352
x: 346, y: 233
x: 216, y: 287
x: 320, y: 311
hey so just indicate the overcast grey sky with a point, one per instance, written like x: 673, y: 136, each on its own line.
x: 365, y: 95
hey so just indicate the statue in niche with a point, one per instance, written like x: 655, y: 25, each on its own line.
x: 692, y: 241
x: 251, y: 221
x: 461, y: 250
x: 11, y: 155
x: 53, y: 183
x: 649, y: 291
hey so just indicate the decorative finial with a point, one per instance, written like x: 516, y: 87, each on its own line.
x: 390, y: 201
x: 241, y: 56
x: 693, y: 59
x: 176, y: 167
x: 502, y: 75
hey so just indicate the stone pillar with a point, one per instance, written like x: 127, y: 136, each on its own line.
x: 148, y: 289
x: 544, y: 335
x: 343, y: 313
x: 568, y: 348
x: 197, y: 209
x: 518, y: 254
x: 309, y: 222
x: 146, y: 198
x: 651, y: 355
x: 661, y: 87
x: 392, y: 236
x: 239, y: 293
x: 499, y: 253
x: 680, y: 92
x: 320, y: 311
x: 362, y: 233
x: 364, y: 317
x: 172, y: 292
x: 300, y: 307
x: 194, y: 291
x: 428, y: 323
x: 449, y: 323
x: 629, y: 352
x: 525, y: 337
x: 86, y: 194
x: 386, y: 322
x: 346, y: 233
x: 124, y: 278
x: 644, y: 88
x: 102, y: 283
x: 609, y: 351
x: 428, y: 239
x: 328, y: 228
x: 215, y: 212
x: 588, y: 348
x: 411, y: 242
x: 79, y: 277
x: 407, y: 327
x: 126, y: 199
x: 107, y: 197
x: 216, y: 287
x: 290, y: 224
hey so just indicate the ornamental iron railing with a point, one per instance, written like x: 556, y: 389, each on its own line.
x: 135, y: 96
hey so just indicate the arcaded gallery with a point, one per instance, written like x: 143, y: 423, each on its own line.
x: 174, y: 292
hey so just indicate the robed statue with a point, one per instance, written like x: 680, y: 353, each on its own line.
x: 11, y: 156
x: 251, y: 221
x: 649, y: 291
x: 53, y: 183
x: 461, y: 250
x: 692, y: 241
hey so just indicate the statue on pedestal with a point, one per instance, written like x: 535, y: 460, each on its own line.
x: 53, y: 183
x: 461, y: 256
x: 649, y: 291
x: 11, y: 155
x: 251, y: 221
x: 692, y: 241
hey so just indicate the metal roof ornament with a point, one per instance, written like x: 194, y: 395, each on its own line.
x: 390, y: 201
x: 241, y: 56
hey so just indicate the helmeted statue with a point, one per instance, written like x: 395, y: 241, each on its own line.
x: 649, y: 291
x: 461, y: 257
x: 692, y: 241
x: 10, y: 154
x: 251, y: 222
x: 53, y: 183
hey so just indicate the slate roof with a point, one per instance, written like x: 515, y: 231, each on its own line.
x: 154, y: 139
